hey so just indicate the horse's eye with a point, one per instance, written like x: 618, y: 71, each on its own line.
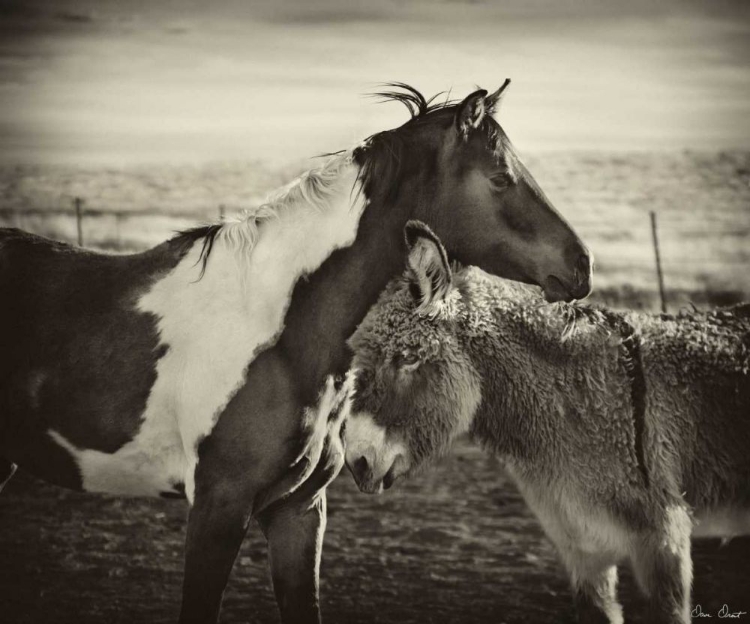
x: 501, y: 180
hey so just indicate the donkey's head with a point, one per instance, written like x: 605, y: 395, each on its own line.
x: 453, y: 167
x: 415, y: 387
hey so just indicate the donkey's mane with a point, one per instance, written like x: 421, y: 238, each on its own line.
x: 379, y: 159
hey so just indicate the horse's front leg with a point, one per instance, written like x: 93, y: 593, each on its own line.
x: 294, y: 531
x: 269, y: 459
x: 294, y: 525
x: 217, y: 524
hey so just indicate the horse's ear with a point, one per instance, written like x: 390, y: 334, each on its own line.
x: 428, y: 271
x: 470, y: 112
x: 492, y: 101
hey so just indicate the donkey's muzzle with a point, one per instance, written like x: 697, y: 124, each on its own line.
x: 360, y: 469
x: 365, y: 479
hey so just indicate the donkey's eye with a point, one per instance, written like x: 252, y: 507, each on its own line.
x: 408, y: 361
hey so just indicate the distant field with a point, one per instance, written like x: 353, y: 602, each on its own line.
x: 702, y: 201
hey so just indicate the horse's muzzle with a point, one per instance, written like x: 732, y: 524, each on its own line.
x: 577, y: 287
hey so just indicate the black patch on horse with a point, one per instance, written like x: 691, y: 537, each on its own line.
x: 77, y: 355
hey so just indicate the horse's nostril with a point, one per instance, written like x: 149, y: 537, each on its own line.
x: 583, y: 266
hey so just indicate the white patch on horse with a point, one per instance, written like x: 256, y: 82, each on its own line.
x: 214, y: 327
x: 149, y: 464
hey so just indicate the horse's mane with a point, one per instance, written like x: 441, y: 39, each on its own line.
x: 380, y: 155
x: 379, y: 158
x: 416, y: 103
x: 312, y: 187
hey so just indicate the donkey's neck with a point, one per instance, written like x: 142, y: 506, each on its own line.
x: 540, y: 365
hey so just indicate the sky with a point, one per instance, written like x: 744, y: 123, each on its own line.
x: 105, y: 82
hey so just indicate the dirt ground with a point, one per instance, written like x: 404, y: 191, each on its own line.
x: 455, y: 544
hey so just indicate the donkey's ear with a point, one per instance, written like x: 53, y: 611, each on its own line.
x: 492, y: 101
x: 428, y: 271
x: 470, y: 112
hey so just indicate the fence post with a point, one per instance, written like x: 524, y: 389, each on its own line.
x: 221, y: 212
x: 79, y: 219
x: 659, y: 274
x: 117, y: 230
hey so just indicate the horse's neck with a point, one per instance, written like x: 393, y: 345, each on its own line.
x: 310, y: 276
x: 327, y: 306
x: 239, y: 302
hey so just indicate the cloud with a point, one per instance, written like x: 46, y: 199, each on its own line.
x: 75, y: 18
x: 89, y: 79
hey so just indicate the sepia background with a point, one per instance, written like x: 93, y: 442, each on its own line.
x: 151, y: 116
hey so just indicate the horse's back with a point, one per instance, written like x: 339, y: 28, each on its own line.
x: 77, y: 358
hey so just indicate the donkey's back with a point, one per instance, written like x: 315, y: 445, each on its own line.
x: 76, y: 356
x: 696, y: 370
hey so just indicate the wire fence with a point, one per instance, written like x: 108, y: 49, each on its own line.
x: 83, y: 214
x: 654, y: 263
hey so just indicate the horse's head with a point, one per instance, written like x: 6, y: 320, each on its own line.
x: 453, y: 167
x: 415, y: 386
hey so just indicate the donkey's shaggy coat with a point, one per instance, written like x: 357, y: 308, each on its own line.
x: 625, y: 432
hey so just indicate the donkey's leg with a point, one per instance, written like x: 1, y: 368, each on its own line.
x: 595, y: 597
x: 294, y: 531
x: 594, y: 580
x: 664, y: 569
x: 593, y: 574
x: 7, y: 470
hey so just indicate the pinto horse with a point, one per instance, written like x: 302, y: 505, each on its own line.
x: 211, y: 365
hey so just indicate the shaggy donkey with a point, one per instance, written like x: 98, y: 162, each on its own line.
x: 625, y: 432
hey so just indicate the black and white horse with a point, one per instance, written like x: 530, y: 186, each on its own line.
x: 212, y: 364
